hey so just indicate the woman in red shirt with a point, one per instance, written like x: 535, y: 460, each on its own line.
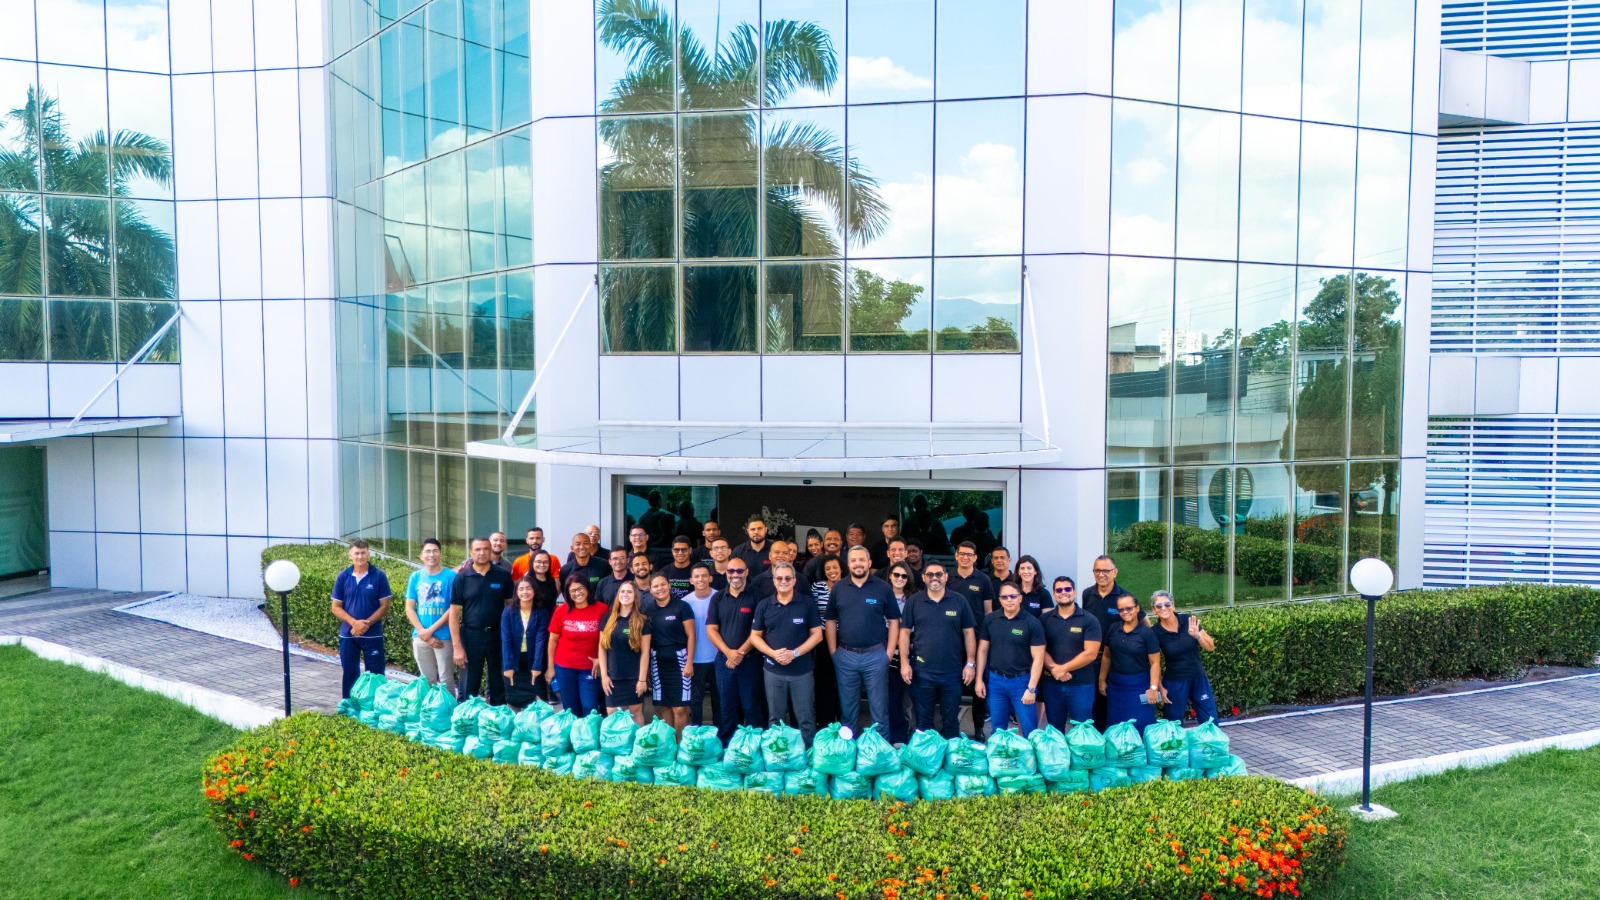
x: 573, y: 665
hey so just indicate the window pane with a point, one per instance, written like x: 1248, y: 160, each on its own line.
x: 1376, y: 366
x: 1143, y: 169
x: 79, y: 96
x: 517, y: 345
x: 422, y: 519
x: 1262, y: 499
x: 1212, y: 38
x: 136, y: 34
x: 21, y: 245
x: 137, y: 322
x: 667, y: 510
x: 1387, y: 44
x: 511, y: 64
x: 447, y: 216
x: 805, y: 192
x: 1375, y: 511
x: 453, y: 500
x: 448, y: 302
x: 1327, y: 194
x: 445, y: 102
x: 146, y: 258
x: 891, y: 51
x: 1333, y: 33
x: 805, y: 308
x: 1203, y: 349
x: 1272, y: 57
x: 1203, y: 509
x: 141, y: 122
x: 633, y: 57
x: 1208, y: 184
x: 483, y: 195
x: 637, y: 309
x: 18, y: 40
x: 719, y: 185
x: 1319, y: 529
x: 719, y: 53
x: 517, y: 492
x: 413, y: 62
x: 1144, y: 52
x: 719, y: 309
x: 78, y: 247
x: 892, y: 146
x: 21, y: 328
x: 1138, y: 503
x: 483, y: 504
x: 1382, y: 191
x: 977, y: 304
x: 1269, y: 199
x: 1139, y: 366
x: 807, y: 68
x: 982, y: 48
x: 82, y: 331
x: 978, y: 178
x: 516, y: 204
x: 17, y: 89
x: 1322, y: 365
x: 889, y: 308
x: 1266, y: 316
x: 395, y: 519
x: 72, y: 31
x: 638, y: 159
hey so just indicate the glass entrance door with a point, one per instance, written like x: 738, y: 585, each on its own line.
x: 24, y: 523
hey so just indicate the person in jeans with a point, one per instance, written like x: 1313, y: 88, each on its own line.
x: 1072, y: 641
x: 1010, y: 662
x: 785, y: 629
x: 704, y: 683
x: 361, y: 596
x: 477, y: 599
x: 428, y: 608
x: 1185, y: 681
x: 936, y: 634
x: 573, y: 660
x: 862, y: 622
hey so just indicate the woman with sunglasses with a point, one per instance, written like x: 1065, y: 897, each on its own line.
x: 1035, y: 596
x: 901, y: 582
x: 1130, y: 674
x: 1182, y: 639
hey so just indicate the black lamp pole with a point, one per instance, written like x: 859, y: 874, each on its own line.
x: 1366, y: 748
x: 283, y: 611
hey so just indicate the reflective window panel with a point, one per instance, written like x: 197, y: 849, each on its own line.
x: 22, y: 244
x: 719, y: 53
x: 1383, y: 189
x: 1144, y: 55
x: 1327, y: 194
x: 146, y: 258
x: 1333, y: 46
x: 141, y: 129
x: 138, y: 321
x: 1206, y: 504
x: 638, y: 309
x: 1208, y: 184
x: 77, y: 247
x: 1263, y: 524
x: 1272, y: 35
x: 1266, y: 361
x: 1388, y: 43
x: 1205, y: 373
x: 804, y: 308
x: 889, y: 305
x: 978, y: 177
x: 1213, y: 32
x: 70, y: 31
x: 21, y: 328
x: 1320, y: 503
x: 83, y: 331
x: 1322, y: 364
x: 804, y: 191
x: 1143, y: 177
x: 1376, y: 365
x: 719, y: 308
x: 982, y: 48
x: 1138, y: 526
x: 891, y: 51
x: 665, y: 511
x: 19, y: 128
x: 806, y: 67
x: 72, y: 165
x: 1140, y: 363
x: 634, y: 58
x: 892, y: 146
x: 1374, y: 511
x: 1269, y: 189
x: 638, y: 160
x: 977, y: 304
x: 719, y: 183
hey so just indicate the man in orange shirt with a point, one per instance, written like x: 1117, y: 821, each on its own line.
x: 535, y: 544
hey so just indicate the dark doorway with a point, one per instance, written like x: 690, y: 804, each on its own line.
x: 24, y: 523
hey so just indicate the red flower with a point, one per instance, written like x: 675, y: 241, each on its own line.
x: 293, y: 881
x: 1236, y: 710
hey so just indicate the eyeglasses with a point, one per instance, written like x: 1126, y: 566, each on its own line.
x: 1104, y: 571
x: 966, y: 553
x: 932, y: 574
x: 783, y: 578
x: 1127, y: 609
x: 738, y: 571
x: 1063, y: 590
x: 1163, y: 604
x: 900, y: 575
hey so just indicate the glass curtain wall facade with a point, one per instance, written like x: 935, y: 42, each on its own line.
x: 434, y: 252
x: 1259, y: 231
x: 810, y: 176
x: 87, y: 261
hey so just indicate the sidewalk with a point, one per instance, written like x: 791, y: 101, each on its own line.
x: 1321, y: 747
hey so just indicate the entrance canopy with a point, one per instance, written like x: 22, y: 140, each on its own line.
x: 19, y: 431
x: 772, y: 447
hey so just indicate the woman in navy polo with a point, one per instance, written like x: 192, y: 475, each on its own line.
x: 1130, y: 673
x: 1182, y: 639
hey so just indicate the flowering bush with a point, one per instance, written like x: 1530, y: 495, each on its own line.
x: 357, y: 812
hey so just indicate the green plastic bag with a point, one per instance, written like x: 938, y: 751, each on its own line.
x: 938, y: 786
x: 555, y: 734
x: 965, y: 756
x: 1074, y: 780
x: 655, y: 745
x: 806, y: 782
x: 1050, y: 749
x: 507, y: 751
x: 924, y: 753
x: 365, y: 691
x: 700, y: 746
x: 1164, y: 744
x: 348, y: 707
x: 464, y: 718
x: 411, y: 699
x: 744, y: 750
x: 585, y: 734
x: 437, y: 708
x: 529, y: 755
x: 782, y: 749
x: 592, y: 765
x: 1141, y: 774
x: 874, y: 755
x: 497, y: 723
x: 851, y: 786
x: 450, y: 741
x: 391, y: 723
x: 974, y: 785
x: 832, y: 753
x: 1125, y: 746
x: 1233, y: 766
x: 1087, y: 746
x: 561, y: 765
x: 388, y: 699
x: 526, y: 726
x: 901, y: 784
x: 368, y: 717
x: 415, y: 732
x: 1184, y: 773
x: 1020, y: 784
x: 626, y: 768
x: 1009, y: 753
x: 1107, y: 777
x: 478, y: 748
x: 673, y: 773
x: 1208, y: 746
x: 616, y: 733
x: 767, y: 782
x: 720, y: 777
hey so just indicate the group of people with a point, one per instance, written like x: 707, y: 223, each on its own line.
x: 762, y: 637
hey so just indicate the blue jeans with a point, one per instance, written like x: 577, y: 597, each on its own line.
x: 579, y: 691
x: 1196, y: 691
x: 356, y: 651
x: 1005, y: 700
x: 939, y: 691
x: 1065, y: 703
x: 739, y: 689
x: 854, y: 671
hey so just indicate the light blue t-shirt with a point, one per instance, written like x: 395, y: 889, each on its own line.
x: 432, y: 596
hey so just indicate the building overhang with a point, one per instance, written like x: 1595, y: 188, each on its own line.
x: 24, y: 431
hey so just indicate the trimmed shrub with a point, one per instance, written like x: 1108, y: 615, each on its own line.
x: 310, y: 609
x: 357, y: 812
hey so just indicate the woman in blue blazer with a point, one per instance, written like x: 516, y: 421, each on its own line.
x: 524, y: 633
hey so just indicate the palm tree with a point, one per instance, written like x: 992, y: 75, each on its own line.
x: 71, y: 245
x: 812, y: 192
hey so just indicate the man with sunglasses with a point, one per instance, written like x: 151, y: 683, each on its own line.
x: 1072, y: 641
x: 786, y: 628
x: 936, y: 634
x: 1101, y: 602
x: 728, y: 625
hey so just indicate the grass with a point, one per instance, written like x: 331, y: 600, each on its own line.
x: 1527, y: 829
x: 100, y: 791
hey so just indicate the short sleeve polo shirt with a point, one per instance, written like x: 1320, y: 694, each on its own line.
x: 361, y: 597
x: 1011, y: 642
x: 937, y: 643
x: 732, y: 615
x: 785, y: 626
x: 862, y: 612
x: 481, y: 597
x: 977, y: 589
x: 1064, y: 638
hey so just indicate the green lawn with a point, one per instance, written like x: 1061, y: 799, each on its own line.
x: 1528, y: 829
x: 100, y: 791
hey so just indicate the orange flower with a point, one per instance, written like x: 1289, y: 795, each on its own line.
x: 795, y: 850
x: 544, y: 848
x: 305, y: 829
x: 236, y: 844
x: 833, y: 876
x: 293, y: 881
x: 588, y: 803
x: 805, y: 829
x: 713, y: 845
x: 247, y: 856
x: 683, y: 848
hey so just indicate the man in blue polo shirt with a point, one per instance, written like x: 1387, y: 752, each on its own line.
x: 1071, y: 657
x: 360, y: 598
x: 785, y: 629
x: 1010, y: 662
x: 936, y: 633
x: 862, y: 623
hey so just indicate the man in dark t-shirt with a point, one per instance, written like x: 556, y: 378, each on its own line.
x: 738, y: 668
x: 936, y: 635
x: 1010, y: 662
x: 1071, y: 656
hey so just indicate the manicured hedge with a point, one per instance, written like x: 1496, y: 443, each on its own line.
x: 357, y: 812
x: 310, y: 611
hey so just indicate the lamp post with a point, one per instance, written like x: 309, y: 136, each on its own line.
x: 1371, y: 578
x: 282, y: 576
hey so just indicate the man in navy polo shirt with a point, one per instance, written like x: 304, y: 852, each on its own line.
x: 1100, y: 601
x: 1010, y: 662
x: 476, y: 601
x: 862, y: 623
x: 360, y: 598
x: 1071, y: 656
x: 978, y: 588
x: 738, y: 670
x: 936, y: 633
x: 786, y: 628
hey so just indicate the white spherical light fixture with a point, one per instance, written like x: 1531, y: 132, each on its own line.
x: 282, y: 576
x: 1371, y: 577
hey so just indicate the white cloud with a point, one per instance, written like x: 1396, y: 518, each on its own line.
x: 1146, y: 171
x: 883, y: 74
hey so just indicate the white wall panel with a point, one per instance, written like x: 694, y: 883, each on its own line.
x: 243, y: 379
x: 1547, y: 91
x: 118, y: 561
x: 208, y: 566
x: 1069, y: 47
x: 320, y: 375
x: 239, y: 248
x: 1578, y: 397
x: 887, y: 388
x: 198, y: 276
x: 1451, y: 383
x: 720, y: 388
x: 577, y: 401
x: 189, y: 27
x: 161, y: 482
x: 1413, y: 511
x: 27, y: 390
x: 72, y: 563
x: 1061, y: 520
x: 247, y: 485
x: 72, y: 385
x: 163, y: 562
x: 564, y: 181
x: 233, y: 34
x: 69, y: 468
x: 1414, y: 396
x: 562, y: 64
x: 244, y: 566
x: 1067, y: 206
x: 201, y: 339
x: 194, y: 137
x: 205, y: 486
x: 237, y: 151
x: 282, y: 250
x: 309, y: 32
x: 977, y: 388
x: 802, y: 388
x: 287, y: 388
x: 1583, y: 90
x: 1419, y: 243
x: 116, y: 484
x: 288, y: 489
x: 636, y: 388
x: 314, y: 131
x: 1425, y: 69
x: 150, y: 390
x: 316, y: 223
x: 1069, y: 303
x: 276, y: 44
x: 278, y: 138
x: 1539, y: 385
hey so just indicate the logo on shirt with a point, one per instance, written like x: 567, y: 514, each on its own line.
x: 800, y: 621
x: 951, y: 613
x: 872, y: 601
x: 744, y: 609
x: 580, y: 627
x: 1017, y: 632
x: 972, y: 587
x: 670, y: 618
x: 1076, y: 630
x: 495, y: 585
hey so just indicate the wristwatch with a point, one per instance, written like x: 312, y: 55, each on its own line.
x: 971, y: 666
x: 1031, y: 691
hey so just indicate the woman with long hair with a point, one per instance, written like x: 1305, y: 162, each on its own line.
x: 624, y: 641
x: 524, y: 633
x: 1036, y: 600
x: 544, y: 582
x: 574, y: 666
x: 900, y: 581
x: 1185, y: 682
x: 823, y: 676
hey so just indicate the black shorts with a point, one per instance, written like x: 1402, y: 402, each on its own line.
x: 668, y: 685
